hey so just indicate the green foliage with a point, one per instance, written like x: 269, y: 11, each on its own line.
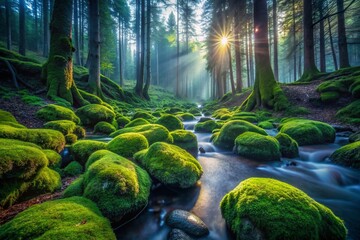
x: 288, y: 146
x: 116, y: 185
x: 207, y: 126
x: 64, y: 126
x: 128, y: 144
x: 185, y: 140
x: 170, y: 122
x: 266, y: 125
x: 350, y: 113
x: 70, y: 218
x: 230, y: 130
x: 308, y: 132
x: 170, y: 164
x: 82, y: 149
x: 53, y: 112
x: 296, y: 111
x: 104, y: 127
x: 329, y: 97
x: 73, y: 169
x: 94, y: 113
x: 33, y: 100
x: 279, y: 211
x: 257, y: 146
x: 348, y: 155
x: 76, y: 188
x: 136, y: 122
x: 186, y: 116
x: 152, y: 132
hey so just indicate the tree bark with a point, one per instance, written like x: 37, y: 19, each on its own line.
x: 239, y: 84
x: 139, y: 53
x: 58, y: 71
x: 121, y: 75
x: 22, y: 28
x: 8, y: 23
x: 76, y: 33
x: 294, y: 39
x: 177, y: 90
x: 148, y: 51
x: 343, y: 50
x: 275, y: 29
x: 322, y: 42
x: 267, y: 93
x: 46, y: 28
x: 36, y: 29
x: 332, y: 46
x: 233, y: 91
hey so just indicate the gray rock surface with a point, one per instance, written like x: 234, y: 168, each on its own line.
x: 177, y: 234
x: 188, y: 222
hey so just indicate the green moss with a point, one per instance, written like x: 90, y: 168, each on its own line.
x: 195, y: 111
x: 82, y: 149
x: 152, y: 132
x: 76, y: 188
x: 256, y: 146
x: 104, y: 127
x: 53, y: 157
x: 288, y: 146
x: 230, y: 130
x: 137, y: 122
x: 91, y: 98
x: 207, y: 126
x: 47, y: 181
x: 79, y: 132
x: 251, y: 119
x: 122, y: 121
x: 33, y: 100
x: 53, y: 112
x: 128, y: 144
x: 70, y: 218
x: 7, y: 117
x: 350, y: 113
x: 12, y: 124
x: 186, y: 140
x: 266, y: 125
x: 225, y: 117
x: 279, y: 211
x: 332, y: 86
x: 71, y: 139
x: 170, y: 165
x: 64, y: 126
x: 116, y: 185
x: 174, y: 110
x: 308, y: 132
x: 186, y: 117
x: 45, y: 138
x: 11, y: 142
x: 355, y: 88
x: 171, y: 122
x: 73, y: 169
x: 352, y: 138
x: 220, y: 112
x: 329, y: 97
x: 94, y: 113
x: 348, y: 155
x: 145, y: 115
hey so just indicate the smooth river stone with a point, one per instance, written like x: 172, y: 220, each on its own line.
x: 187, y: 222
x: 177, y: 234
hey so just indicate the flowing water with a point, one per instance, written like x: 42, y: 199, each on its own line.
x: 334, y: 186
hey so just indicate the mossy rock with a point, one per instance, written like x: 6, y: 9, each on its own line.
x: 288, y: 146
x: 354, y: 137
x: 251, y: 119
x: 186, y: 140
x: 145, y: 115
x: 308, y: 132
x: 171, y: 122
x: 79, y: 132
x: 136, y: 122
x: 265, y: 208
x: 76, y: 188
x: 152, y: 132
x: 220, y: 112
x: 104, y: 128
x: 257, y: 146
x: 195, y: 111
x: 47, y: 181
x: 348, y: 155
x: 128, y: 144
x: 332, y: 86
x: 226, y: 117
x: 53, y: 157
x: 54, y: 112
x: 91, y: 114
x: 69, y: 218
x: 12, y: 124
x: 73, y: 169
x: 329, y: 97
x: 355, y: 88
x: 186, y: 117
x: 174, y: 110
x: 350, y: 113
x: 230, y: 130
x: 207, y: 126
x: 71, y: 139
x: 91, y: 98
x: 11, y: 142
x: 122, y: 121
x: 117, y: 186
x: 6, y: 116
x: 266, y: 125
x: 170, y: 165
x: 82, y: 149
x: 45, y: 138
x: 64, y: 126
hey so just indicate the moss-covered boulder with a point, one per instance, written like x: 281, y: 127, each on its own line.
x: 122, y: 121
x: 54, y: 158
x: 45, y: 138
x: 308, y: 132
x: 54, y: 112
x: 136, y: 122
x: 104, y: 128
x: 70, y: 218
x: 266, y: 125
x: 64, y: 126
x: 79, y: 132
x: 73, y: 169
x: 207, y: 126
x: 6, y: 116
x: 171, y: 122
x: 350, y: 113
x: 186, y: 117
x: 186, y: 140
x: 71, y: 139
x: 76, y: 188
x: 354, y: 137
x: 152, y: 132
x: 91, y: 114
x: 144, y: 115
x: 128, y: 144
x: 288, y: 147
x: 264, y: 208
x: 329, y: 97
x: 230, y: 130
x: 169, y: 164
x: 220, y: 112
x: 348, y: 155
x: 257, y: 146
x: 82, y: 149
x: 116, y: 185
x: 46, y: 181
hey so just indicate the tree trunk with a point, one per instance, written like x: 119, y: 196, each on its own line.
x: 275, y: 29
x: 94, y: 48
x: 310, y: 68
x: 22, y: 28
x: 343, y: 50
x: 247, y: 57
x: 36, y: 29
x: 332, y: 46
x: 76, y: 33
x: 322, y: 38
x: 177, y: 90
x: 267, y: 93
x: 8, y: 23
x: 46, y: 28
x: 238, y: 58
x: 148, y: 51
x: 294, y: 39
x: 58, y: 71
x: 140, y: 41
x: 233, y: 91
x: 121, y: 75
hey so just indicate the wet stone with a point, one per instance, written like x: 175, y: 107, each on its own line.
x: 177, y: 234
x: 188, y: 222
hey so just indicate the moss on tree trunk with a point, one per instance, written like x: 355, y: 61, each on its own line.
x: 58, y: 70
